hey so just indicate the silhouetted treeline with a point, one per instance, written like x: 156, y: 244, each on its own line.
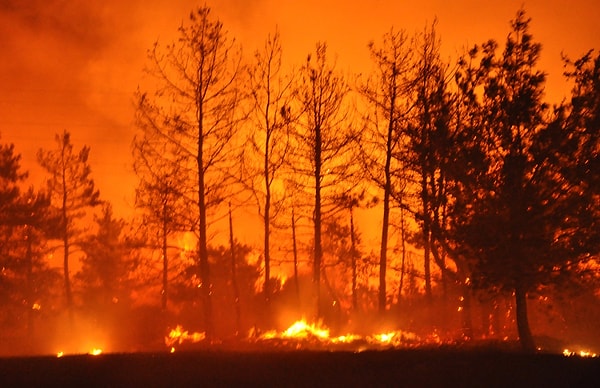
x: 485, y: 199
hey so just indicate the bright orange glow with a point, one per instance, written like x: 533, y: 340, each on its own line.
x: 180, y: 336
x: 95, y: 352
x: 580, y: 353
x: 317, y: 334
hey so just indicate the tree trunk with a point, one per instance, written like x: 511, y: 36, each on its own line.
x: 318, y: 252
x: 267, y: 223
x: 165, y: 278
x: 234, y: 284
x: 353, y: 258
x: 29, y: 288
x: 386, y: 219
x: 65, y: 236
x: 467, y: 317
x: 205, y: 283
x: 403, y: 254
x: 295, y: 253
x: 525, y: 336
x: 426, y: 238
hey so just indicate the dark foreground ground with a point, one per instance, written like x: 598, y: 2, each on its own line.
x: 390, y: 368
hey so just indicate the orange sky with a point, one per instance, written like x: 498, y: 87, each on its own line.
x: 75, y: 64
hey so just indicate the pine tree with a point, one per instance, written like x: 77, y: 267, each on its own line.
x: 73, y: 192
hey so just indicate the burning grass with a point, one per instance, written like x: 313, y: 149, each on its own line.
x: 302, y: 335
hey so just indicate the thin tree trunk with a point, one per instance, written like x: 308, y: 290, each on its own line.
x: 318, y: 253
x: 205, y: 285
x: 29, y: 287
x: 467, y: 313
x: 353, y: 256
x: 267, y: 222
x: 426, y: 237
x: 234, y: 283
x: 65, y: 236
x: 295, y: 253
x: 403, y: 253
x: 165, y: 278
x: 385, y: 224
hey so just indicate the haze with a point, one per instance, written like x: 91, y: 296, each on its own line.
x: 75, y: 65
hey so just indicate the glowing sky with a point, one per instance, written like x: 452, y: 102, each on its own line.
x: 75, y: 64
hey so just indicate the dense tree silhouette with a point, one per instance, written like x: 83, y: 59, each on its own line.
x: 429, y: 138
x: 106, y: 265
x: 515, y: 208
x: 26, y: 222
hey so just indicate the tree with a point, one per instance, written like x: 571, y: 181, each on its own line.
x: 514, y: 214
x: 26, y: 222
x: 386, y: 120
x: 428, y: 136
x: 72, y: 191
x: 160, y: 195
x: 195, y: 110
x: 38, y: 223
x: 105, y: 268
x: 270, y: 92
x: 10, y: 178
x: 581, y: 134
x: 321, y: 144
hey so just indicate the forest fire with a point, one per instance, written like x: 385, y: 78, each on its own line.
x: 424, y: 218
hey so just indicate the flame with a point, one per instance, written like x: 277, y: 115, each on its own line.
x: 301, y: 329
x: 179, y: 336
x: 95, y: 352
x: 60, y: 354
x: 318, y: 334
x: 580, y: 353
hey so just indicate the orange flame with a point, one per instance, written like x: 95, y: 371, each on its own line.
x: 179, y: 336
x: 319, y: 334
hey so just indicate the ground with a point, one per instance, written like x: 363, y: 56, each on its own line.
x: 411, y: 368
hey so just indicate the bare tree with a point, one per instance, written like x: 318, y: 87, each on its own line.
x: 320, y: 154
x: 383, y: 142
x: 160, y: 195
x: 270, y: 93
x: 194, y: 108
